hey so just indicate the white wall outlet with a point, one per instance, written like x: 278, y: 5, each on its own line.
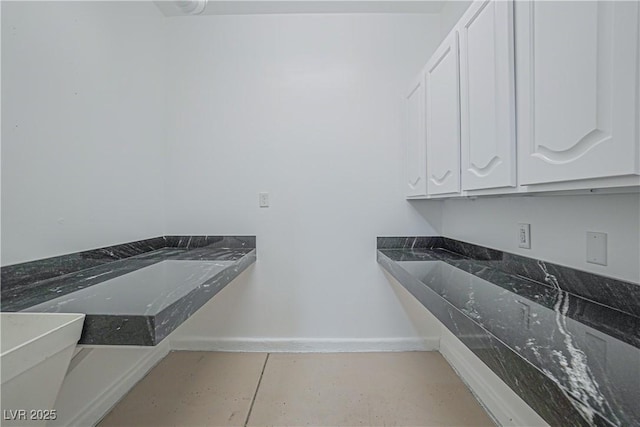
x: 596, y: 248
x: 524, y: 236
x: 263, y: 200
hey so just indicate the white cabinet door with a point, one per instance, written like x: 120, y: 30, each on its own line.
x: 443, y: 118
x: 415, y: 143
x: 576, y: 79
x: 487, y: 98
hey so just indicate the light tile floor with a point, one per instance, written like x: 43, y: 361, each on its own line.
x: 259, y: 389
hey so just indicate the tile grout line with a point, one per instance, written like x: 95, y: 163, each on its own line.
x: 246, y: 421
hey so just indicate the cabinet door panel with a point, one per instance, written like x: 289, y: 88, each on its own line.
x: 487, y: 96
x: 577, y: 78
x: 443, y: 119
x: 415, y: 144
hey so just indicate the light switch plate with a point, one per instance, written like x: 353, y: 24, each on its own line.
x: 596, y: 248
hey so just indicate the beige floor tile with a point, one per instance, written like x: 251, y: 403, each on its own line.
x: 192, y: 389
x: 350, y: 389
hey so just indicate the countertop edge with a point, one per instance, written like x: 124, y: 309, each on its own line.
x: 548, y: 398
x: 151, y: 330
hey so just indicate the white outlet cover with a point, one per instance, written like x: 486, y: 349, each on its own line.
x: 263, y: 200
x: 596, y: 248
x: 524, y: 236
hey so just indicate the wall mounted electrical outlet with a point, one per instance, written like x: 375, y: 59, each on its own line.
x: 524, y: 236
x: 263, y: 200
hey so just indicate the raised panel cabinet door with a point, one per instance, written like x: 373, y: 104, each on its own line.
x: 487, y: 96
x: 576, y: 80
x: 442, y: 110
x: 415, y: 143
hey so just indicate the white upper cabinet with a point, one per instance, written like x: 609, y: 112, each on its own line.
x: 577, y: 85
x: 414, y: 140
x: 541, y: 96
x: 443, y: 118
x: 487, y: 99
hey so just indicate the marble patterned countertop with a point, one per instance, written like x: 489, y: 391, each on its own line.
x: 132, y: 294
x: 574, y: 361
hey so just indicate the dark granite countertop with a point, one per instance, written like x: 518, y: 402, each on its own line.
x: 574, y: 361
x: 132, y: 294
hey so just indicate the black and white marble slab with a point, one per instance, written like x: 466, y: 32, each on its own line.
x: 27, y: 273
x: 614, y: 293
x: 574, y: 361
x: 22, y: 274
x: 139, y: 297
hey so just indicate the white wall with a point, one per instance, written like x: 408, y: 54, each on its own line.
x: 558, y: 228
x: 82, y: 141
x: 452, y: 11
x: 305, y: 107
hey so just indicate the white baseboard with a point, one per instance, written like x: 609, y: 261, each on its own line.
x: 298, y: 345
x: 98, y: 407
x: 502, y: 403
